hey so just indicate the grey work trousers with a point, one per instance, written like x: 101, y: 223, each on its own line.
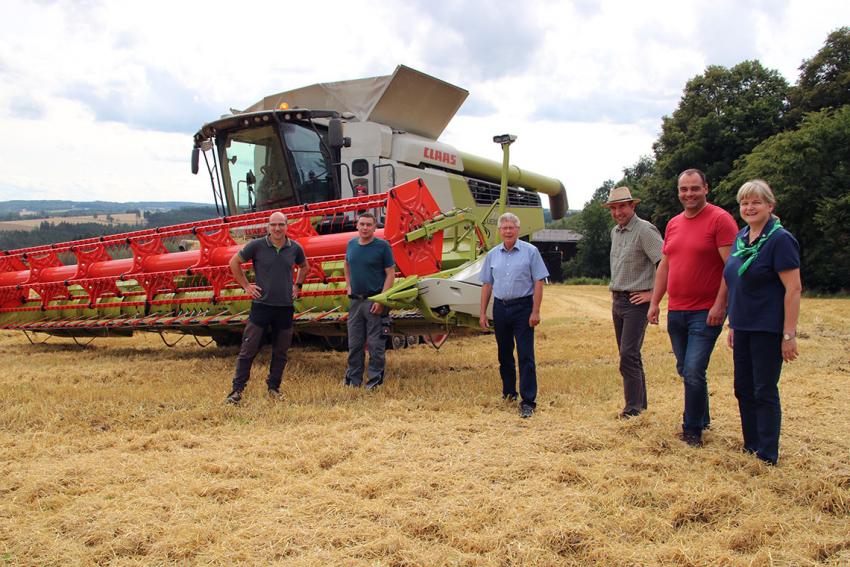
x: 365, y: 327
x: 630, y: 327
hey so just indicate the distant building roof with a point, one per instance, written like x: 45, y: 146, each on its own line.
x: 556, y: 235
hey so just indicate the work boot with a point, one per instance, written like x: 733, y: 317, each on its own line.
x: 234, y: 397
x: 275, y: 395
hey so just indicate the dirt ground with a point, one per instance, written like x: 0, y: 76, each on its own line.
x: 123, y: 453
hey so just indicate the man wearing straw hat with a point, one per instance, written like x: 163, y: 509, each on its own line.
x: 635, y: 251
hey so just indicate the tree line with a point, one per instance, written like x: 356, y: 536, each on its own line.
x: 742, y: 123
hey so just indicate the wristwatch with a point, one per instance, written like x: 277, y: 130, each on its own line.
x: 789, y: 336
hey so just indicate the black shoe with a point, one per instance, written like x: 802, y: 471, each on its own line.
x: 628, y: 414
x: 691, y: 438
x: 234, y: 397
x: 274, y: 394
x: 374, y: 385
x: 509, y: 397
x: 525, y: 411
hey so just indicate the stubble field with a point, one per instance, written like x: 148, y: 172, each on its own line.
x: 32, y: 224
x: 123, y: 453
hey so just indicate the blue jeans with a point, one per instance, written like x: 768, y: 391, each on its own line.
x: 511, y: 325
x: 693, y: 340
x: 758, y: 363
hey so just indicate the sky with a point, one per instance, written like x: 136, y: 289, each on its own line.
x: 99, y: 99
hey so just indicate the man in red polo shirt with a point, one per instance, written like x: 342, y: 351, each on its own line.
x: 696, y: 244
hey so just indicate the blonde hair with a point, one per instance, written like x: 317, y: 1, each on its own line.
x: 757, y: 188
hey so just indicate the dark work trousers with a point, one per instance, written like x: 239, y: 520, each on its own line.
x: 510, y: 320
x: 365, y: 327
x: 630, y: 327
x: 758, y: 363
x: 261, y: 318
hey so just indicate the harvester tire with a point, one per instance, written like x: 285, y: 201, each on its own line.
x: 227, y: 339
x: 337, y: 343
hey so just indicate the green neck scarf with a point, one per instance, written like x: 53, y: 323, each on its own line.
x: 750, y: 253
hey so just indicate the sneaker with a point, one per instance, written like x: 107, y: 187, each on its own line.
x: 373, y: 383
x: 234, y: 397
x: 628, y: 414
x: 525, y: 411
x: 274, y: 394
x: 509, y: 397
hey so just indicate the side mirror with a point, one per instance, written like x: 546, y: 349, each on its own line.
x: 335, y: 138
x: 196, y: 152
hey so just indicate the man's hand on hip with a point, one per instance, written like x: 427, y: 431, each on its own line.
x: 640, y: 297
x: 254, y: 291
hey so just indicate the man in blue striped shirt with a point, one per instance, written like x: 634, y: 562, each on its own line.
x: 513, y: 272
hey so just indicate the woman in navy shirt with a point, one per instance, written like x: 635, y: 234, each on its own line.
x: 763, y: 277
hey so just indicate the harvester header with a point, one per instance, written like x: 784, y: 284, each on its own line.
x: 193, y: 291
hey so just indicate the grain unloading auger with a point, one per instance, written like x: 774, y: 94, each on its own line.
x: 193, y: 292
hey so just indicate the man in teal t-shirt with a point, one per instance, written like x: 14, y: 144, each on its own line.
x: 369, y: 270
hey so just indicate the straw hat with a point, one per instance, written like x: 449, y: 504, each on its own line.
x: 620, y: 195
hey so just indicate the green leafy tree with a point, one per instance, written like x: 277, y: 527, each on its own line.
x: 594, y: 224
x: 722, y: 115
x: 809, y: 171
x: 824, y: 79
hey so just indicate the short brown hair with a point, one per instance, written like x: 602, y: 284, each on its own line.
x: 693, y: 171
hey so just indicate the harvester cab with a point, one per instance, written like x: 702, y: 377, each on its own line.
x: 372, y: 134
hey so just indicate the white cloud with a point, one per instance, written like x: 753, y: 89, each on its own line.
x: 100, y: 98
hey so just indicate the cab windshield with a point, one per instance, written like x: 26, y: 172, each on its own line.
x: 263, y: 173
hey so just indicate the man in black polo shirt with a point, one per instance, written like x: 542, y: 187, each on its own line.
x: 273, y: 294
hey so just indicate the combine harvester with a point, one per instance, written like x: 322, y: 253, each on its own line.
x: 375, y: 149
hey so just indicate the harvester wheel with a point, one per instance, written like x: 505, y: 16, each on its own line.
x: 337, y: 343
x: 227, y: 339
x: 396, y: 342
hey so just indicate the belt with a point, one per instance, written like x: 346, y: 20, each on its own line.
x: 628, y: 293
x: 363, y: 295
x: 515, y: 300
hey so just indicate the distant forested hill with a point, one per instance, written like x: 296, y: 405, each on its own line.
x: 52, y: 208
x: 48, y: 232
